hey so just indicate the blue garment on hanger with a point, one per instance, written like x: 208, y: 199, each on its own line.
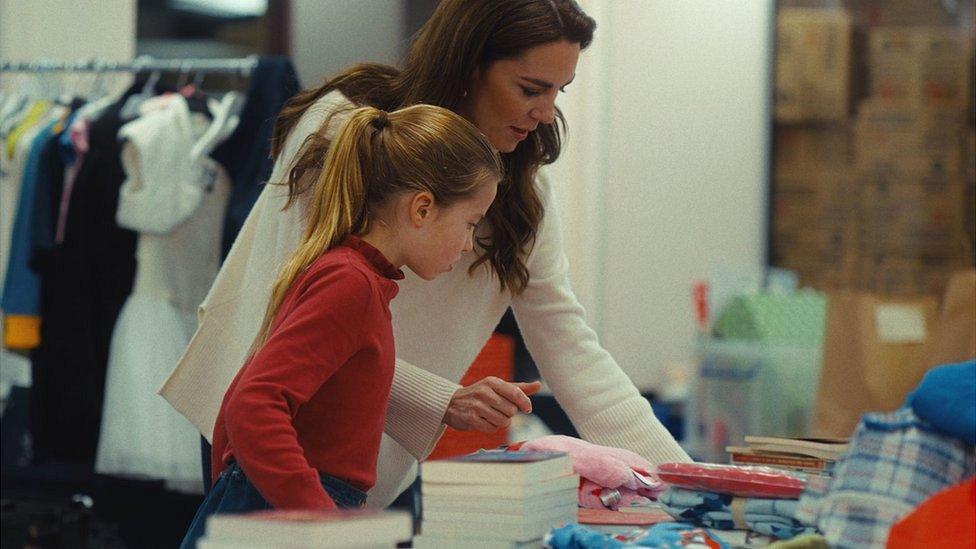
x: 946, y: 398
x: 246, y: 154
x: 21, y: 286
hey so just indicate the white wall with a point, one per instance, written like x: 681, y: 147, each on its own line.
x: 327, y: 35
x: 665, y: 171
x: 67, y: 30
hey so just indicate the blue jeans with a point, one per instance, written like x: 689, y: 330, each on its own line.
x: 234, y: 493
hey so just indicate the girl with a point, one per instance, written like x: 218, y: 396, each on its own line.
x: 300, y: 425
x: 500, y: 64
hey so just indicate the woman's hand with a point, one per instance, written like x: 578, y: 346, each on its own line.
x: 489, y: 404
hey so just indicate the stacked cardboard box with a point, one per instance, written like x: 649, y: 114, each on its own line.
x: 812, y: 64
x: 881, y: 200
x: 919, y: 66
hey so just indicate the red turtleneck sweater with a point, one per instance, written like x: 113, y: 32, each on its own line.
x: 313, y: 398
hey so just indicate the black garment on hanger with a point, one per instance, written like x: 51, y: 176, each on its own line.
x: 83, y: 286
x: 246, y: 154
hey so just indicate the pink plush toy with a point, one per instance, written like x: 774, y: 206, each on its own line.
x: 610, y: 477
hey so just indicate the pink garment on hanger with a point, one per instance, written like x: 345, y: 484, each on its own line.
x: 78, y: 133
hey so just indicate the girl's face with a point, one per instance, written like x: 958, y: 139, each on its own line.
x: 511, y: 97
x: 443, y: 233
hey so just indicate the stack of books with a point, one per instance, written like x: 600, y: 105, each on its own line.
x: 806, y: 455
x: 503, y: 500
x: 360, y: 529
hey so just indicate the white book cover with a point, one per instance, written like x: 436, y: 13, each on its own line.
x: 501, y: 491
x: 497, y: 467
x: 501, y: 506
x: 207, y: 543
x: 312, y: 529
x: 824, y: 448
x: 491, y: 529
x: 425, y: 541
x: 465, y: 516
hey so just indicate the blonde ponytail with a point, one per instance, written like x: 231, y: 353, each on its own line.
x: 373, y: 157
x: 338, y: 208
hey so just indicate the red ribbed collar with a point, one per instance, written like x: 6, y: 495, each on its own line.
x: 375, y: 257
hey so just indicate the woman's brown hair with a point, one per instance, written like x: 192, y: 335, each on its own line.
x: 460, y: 37
x: 374, y: 157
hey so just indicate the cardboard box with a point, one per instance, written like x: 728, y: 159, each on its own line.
x: 920, y: 66
x: 824, y: 272
x: 813, y: 64
x: 800, y: 150
x: 928, y: 137
x: 823, y: 243
x: 899, y: 275
x: 876, y: 13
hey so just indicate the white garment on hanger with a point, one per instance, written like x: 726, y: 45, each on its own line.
x: 175, y: 195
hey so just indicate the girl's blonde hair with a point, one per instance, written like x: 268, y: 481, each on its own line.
x: 374, y: 156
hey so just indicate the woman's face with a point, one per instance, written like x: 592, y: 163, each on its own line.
x: 513, y: 96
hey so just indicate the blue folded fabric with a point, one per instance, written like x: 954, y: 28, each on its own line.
x: 666, y: 535
x: 773, y: 517
x: 946, y: 398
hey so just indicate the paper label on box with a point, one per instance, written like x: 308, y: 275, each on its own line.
x: 900, y: 323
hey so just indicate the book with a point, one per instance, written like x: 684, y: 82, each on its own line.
x: 486, y: 526
x: 500, y: 491
x: 465, y: 517
x: 207, y: 543
x: 632, y: 518
x: 311, y: 529
x: 824, y: 448
x: 497, y: 467
x: 430, y: 541
x: 739, y: 455
x: 502, y: 506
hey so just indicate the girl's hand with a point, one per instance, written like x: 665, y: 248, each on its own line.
x: 489, y: 404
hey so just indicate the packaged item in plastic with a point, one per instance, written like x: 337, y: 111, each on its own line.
x: 737, y: 480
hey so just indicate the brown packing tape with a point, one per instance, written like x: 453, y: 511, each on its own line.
x: 738, y: 508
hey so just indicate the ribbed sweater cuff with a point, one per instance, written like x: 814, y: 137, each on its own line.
x: 631, y: 424
x: 418, y: 400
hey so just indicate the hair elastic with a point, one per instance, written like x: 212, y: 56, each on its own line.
x: 381, y: 120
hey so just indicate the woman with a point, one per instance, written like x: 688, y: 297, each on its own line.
x: 500, y: 64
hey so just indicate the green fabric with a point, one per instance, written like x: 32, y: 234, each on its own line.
x: 783, y: 319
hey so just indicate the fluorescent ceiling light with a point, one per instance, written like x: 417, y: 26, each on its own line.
x: 222, y: 8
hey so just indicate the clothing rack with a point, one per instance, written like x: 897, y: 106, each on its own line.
x: 243, y: 66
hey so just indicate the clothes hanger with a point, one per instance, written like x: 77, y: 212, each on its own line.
x: 130, y: 109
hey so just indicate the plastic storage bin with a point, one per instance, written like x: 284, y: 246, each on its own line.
x: 748, y: 388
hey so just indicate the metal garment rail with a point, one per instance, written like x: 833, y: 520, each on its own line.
x: 243, y: 65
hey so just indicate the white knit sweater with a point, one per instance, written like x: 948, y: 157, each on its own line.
x: 439, y: 326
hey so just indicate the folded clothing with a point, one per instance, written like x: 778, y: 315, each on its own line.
x: 738, y: 480
x: 946, y: 398
x: 769, y: 516
x: 806, y: 541
x: 667, y: 535
x: 894, y: 462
